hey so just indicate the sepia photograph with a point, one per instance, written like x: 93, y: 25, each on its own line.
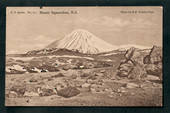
x: 84, y: 56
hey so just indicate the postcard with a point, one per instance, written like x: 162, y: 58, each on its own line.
x: 84, y: 56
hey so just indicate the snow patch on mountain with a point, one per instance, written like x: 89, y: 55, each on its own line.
x: 84, y: 42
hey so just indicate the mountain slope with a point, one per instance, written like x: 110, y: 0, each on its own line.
x: 84, y: 42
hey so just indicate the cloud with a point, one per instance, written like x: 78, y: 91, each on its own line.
x: 137, y: 23
x: 39, y: 41
x: 105, y: 21
x: 35, y: 39
x: 117, y: 23
x: 110, y: 22
x: 23, y: 45
x: 12, y: 52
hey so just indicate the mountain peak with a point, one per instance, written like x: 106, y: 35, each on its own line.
x: 80, y: 30
x: 83, y: 41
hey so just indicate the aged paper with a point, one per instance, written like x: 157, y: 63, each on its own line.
x: 83, y: 56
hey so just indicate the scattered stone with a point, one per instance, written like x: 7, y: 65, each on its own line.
x: 85, y: 85
x: 97, y: 90
x: 92, y: 77
x: 132, y: 85
x: 44, y: 70
x: 58, y: 75
x: 112, y: 93
x: 101, y: 80
x: 27, y: 100
x: 81, y: 67
x: 122, y: 88
x: 66, y: 68
x: 113, y: 78
x: 33, y: 80
x: 89, y: 81
x: 47, y: 92
x: 50, y: 79
x: 41, y: 83
x: 60, y: 85
x: 152, y: 77
x: 118, y: 90
x: 92, y: 90
x: 132, y: 93
x: 108, y: 89
x: 83, y: 75
x: 111, y: 96
x: 123, y: 91
x: 30, y: 94
x: 98, y: 74
x: 102, y: 71
x: 12, y: 94
x: 100, y: 83
x: 73, y: 76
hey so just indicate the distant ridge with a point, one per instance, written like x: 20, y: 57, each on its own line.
x: 128, y: 46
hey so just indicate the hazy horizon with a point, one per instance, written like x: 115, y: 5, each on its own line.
x: 26, y: 32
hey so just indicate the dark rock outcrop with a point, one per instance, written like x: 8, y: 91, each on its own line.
x: 153, y: 62
x: 132, y: 67
x: 138, y: 64
x: 154, y: 57
x: 125, y: 68
x: 134, y: 55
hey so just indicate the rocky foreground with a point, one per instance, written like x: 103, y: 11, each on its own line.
x: 134, y: 81
x: 77, y: 88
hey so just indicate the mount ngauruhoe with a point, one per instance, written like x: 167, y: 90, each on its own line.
x: 80, y: 41
x: 84, y: 42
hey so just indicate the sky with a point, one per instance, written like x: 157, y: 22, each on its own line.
x: 27, y: 29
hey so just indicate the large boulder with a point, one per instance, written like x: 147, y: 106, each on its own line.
x: 68, y: 92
